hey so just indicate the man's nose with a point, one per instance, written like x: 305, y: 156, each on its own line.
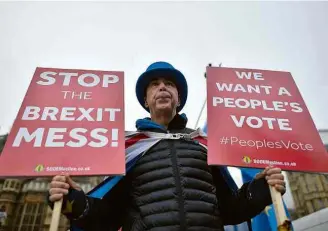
x: 162, y: 86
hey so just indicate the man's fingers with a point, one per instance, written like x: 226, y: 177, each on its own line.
x: 273, y: 171
x: 268, y: 168
x: 275, y: 176
x: 280, y: 188
x: 59, y: 178
x: 72, y: 183
x: 55, y: 197
x: 54, y: 191
x: 273, y: 182
x: 58, y: 184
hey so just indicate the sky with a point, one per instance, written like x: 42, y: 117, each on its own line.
x: 286, y: 36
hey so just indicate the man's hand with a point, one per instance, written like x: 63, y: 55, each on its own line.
x: 59, y: 187
x: 274, y: 178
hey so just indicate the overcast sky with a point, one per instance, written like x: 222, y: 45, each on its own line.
x: 129, y: 36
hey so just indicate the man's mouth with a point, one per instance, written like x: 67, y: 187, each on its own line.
x: 164, y: 96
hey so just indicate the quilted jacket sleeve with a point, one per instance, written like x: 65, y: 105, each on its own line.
x: 237, y: 206
x: 89, y: 214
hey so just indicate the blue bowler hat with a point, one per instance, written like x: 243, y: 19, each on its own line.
x: 163, y: 70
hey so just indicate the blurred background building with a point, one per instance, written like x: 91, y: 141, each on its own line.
x: 25, y: 202
x: 310, y: 196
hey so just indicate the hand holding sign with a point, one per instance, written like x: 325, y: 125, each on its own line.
x: 59, y: 187
x: 274, y: 178
x: 71, y: 121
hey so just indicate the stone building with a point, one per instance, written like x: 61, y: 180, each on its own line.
x: 309, y: 191
x: 25, y: 202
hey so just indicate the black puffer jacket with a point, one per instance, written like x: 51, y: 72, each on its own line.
x: 171, y: 188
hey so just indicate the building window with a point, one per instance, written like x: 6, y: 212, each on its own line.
x: 309, y: 207
x: 30, y: 217
x: 11, y: 184
x: 318, y: 204
x: 310, y: 183
x: 303, y: 185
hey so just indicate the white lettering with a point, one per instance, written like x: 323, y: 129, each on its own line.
x: 85, y: 114
x: 24, y: 134
x: 278, y: 106
x: 285, y: 145
x: 81, y: 140
x: 49, y: 78
x: 112, y: 113
x: 309, y: 147
x: 239, y: 87
x: 216, y: 101
x: 244, y: 75
x: 258, y: 76
x: 65, y: 93
x: 254, y: 103
x: 228, y: 102
x: 224, y: 86
x: 296, y: 107
x: 95, y: 80
x: 244, y: 101
x: 283, y: 91
x: 87, y: 95
x: 52, y: 137
x: 284, y: 124
x: 45, y: 76
x: 252, y: 125
x: 67, y: 111
x: 254, y: 88
x: 67, y: 77
x: 103, y: 140
x: 270, y: 122
x: 31, y: 110
x: 266, y: 89
x: 109, y: 79
x: 239, y: 123
x: 49, y: 112
x: 255, y: 122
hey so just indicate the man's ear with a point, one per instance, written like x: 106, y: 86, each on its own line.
x: 146, y: 103
x: 179, y: 102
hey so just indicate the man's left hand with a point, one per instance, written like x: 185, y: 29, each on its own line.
x: 274, y: 178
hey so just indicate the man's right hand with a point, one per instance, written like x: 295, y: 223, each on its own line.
x: 60, y: 185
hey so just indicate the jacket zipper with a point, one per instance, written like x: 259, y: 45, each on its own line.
x: 176, y: 172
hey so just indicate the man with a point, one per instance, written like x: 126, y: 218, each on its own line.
x: 170, y: 187
x: 3, y: 215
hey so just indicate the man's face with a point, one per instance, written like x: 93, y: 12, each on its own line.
x: 162, y: 95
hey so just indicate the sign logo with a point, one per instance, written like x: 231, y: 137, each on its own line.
x: 247, y: 159
x: 39, y: 168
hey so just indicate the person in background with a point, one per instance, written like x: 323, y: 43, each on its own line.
x: 3, y: 215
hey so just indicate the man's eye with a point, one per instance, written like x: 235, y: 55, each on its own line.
x: 154, y: 84
x: 170, y: 83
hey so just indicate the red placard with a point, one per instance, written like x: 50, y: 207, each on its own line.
x: 70, y: 121
x: 258, y: 118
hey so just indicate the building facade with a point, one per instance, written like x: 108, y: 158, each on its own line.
x: 24, y: 202
x: 309, y: 191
